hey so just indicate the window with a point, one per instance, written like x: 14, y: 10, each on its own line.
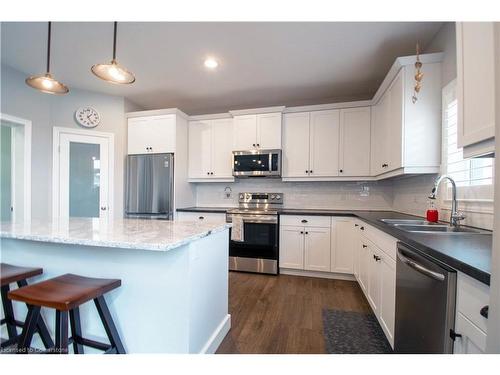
x: 474, y: 177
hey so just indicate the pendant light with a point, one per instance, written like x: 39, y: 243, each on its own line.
x: 113, y: 72
x: 45, y: 82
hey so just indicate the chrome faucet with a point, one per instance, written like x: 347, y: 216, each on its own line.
x: 455, y: 216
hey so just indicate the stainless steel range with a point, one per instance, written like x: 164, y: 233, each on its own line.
x: 256, y: 247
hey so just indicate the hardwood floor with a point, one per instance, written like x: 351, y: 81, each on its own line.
x: 283, y: 314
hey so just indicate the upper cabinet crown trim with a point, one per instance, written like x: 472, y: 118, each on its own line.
x: 213, y: 116
x: 400, y: 62
x: 157, y: 112
x: 257, y: 111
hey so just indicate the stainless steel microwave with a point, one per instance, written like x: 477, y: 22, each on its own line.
x: 257, y: 163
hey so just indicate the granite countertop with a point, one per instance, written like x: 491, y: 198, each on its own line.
x: 468, y: 253
x: 155, y: 235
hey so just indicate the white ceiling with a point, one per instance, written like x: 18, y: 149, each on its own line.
x: 261, y: 64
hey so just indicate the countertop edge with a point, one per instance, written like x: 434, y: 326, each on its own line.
x: 115, y: 244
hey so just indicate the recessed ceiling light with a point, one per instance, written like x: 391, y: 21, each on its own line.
x: 211, y: 63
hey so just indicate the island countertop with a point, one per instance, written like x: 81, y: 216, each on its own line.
x: 138, y: 234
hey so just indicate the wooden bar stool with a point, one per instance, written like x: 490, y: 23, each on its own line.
x: 65, y: 294
x: 10, y: 274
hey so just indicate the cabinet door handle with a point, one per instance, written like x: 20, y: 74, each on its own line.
x: 385, y: 165
x: 253, y: 144
x: 258, y: 144
x: 377, y: 258
x: 362, y: 228
x: 301, y: 232
x: 311, y: 171
x: 201, y: 217
x: 364, y: 246
x: 356, y: 225
x: 212, y: 173
x: 303, y: 221
x: 341, y: 171
x: 208, y: 173
x: 454, y: 335
x: 307, y: 232
x: 103, y: 208
x: 484, y: 312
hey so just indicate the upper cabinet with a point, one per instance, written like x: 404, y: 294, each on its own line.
x: 326, y: 145
x: 210, y: 150
x: 257, y: 131
x: 310, y: 145
x: 476, y: 87
x: 151, y: 134
x: 406, y: 135
x: 354, y: 146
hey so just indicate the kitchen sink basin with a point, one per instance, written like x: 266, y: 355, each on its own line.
x: 423, y: 226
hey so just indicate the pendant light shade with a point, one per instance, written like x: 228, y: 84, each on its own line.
x: 113, y: 72
x: 45, y: 82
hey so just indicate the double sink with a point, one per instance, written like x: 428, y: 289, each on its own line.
x: 423, y: 226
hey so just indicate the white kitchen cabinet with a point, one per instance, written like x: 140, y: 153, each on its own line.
x: 305, y: 246
x: 292, y: 247
x: 320, y: 157
x: 295, y: 157
x: 257, y: 131
x: 201, y: 216
x: 406, y: 135
x: 354, y: 148
x: 472, y: 297
x: 364, y: 263
x: 374, y: 278
x: 317, y: 249
x: 476, y: 87
x: 387, y: 306
x: 210, y: 150
x: 151, y: 134
x: 324, y: 143
x: 343, y: 245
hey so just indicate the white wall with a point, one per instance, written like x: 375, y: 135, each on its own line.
x: 46, y: 111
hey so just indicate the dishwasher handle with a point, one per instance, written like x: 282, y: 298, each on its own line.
x: 418, y: 267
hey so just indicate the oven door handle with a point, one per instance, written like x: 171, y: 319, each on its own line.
x: 419, y: 268
x: 256, y: 220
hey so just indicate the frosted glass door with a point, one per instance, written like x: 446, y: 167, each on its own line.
x: 83, y: 176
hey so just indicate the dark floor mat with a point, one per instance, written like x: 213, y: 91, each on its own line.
x: 348, y: 332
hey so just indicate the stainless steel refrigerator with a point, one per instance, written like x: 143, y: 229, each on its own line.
x: 149, y: 187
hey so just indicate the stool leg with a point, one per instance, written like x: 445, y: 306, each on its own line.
x: 61, y: 332
x: 9, y: 313
x: 76, y: 330
x: 109, y: 325
x: 41, y: 327
x: 29, y: 329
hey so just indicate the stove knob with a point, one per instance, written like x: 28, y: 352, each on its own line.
x: 273, y: 196
x: 242, y: 196
x: 278, y: 197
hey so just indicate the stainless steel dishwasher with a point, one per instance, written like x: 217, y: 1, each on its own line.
x: 425, y: 303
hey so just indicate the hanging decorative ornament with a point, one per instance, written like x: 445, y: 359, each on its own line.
x: 45, y: 82
x: 418, y: 76
x: 113, y: 72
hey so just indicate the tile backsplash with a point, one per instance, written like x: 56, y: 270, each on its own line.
x: 329, y: 195
x: 407, y: 194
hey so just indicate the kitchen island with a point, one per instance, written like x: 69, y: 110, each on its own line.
x: 174, y: 293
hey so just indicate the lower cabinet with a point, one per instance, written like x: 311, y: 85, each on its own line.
x: 305, y: 248
x: 471, y: 320
x: 343, y: 245
x: 377, y: 279
x: 201, y: 216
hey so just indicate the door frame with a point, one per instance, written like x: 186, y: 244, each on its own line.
x: 26, y: 127
x: 56, y: 162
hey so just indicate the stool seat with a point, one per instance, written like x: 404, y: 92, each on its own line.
x: 12, y: 274
x: 64, y: 292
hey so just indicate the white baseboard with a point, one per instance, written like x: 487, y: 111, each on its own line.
x: 218, y: 335
x: 323, y: 275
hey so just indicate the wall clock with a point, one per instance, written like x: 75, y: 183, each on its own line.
x: 87, y: 117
